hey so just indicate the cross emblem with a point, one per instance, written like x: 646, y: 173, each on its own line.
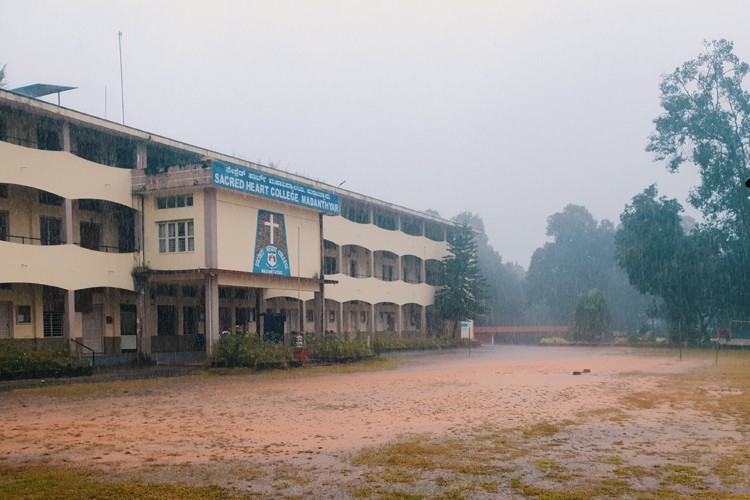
x: 272, y: 225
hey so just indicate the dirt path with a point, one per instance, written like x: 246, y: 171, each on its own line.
x: 244, y: 430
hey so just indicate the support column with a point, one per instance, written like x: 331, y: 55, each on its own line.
x: 143, y: 307
x: 423, y: 271
x: 321, y: 295
x: 399, y: 270
x: 340, y: 322
x: 259, y: 317
x: 372, y: 263
x: 372, y: 318
x: 340, y: 259
x: 70, y: 298
x: 212, y: 312
x: 399, y: 321
x: 423, y: 321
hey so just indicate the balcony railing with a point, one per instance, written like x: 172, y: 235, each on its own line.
x: 30, y: 240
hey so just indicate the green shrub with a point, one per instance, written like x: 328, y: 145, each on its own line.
x: 421, y: 343
x: 338, y: 349
x: 240, y: 349
x: 31, y: 360
x: 553, y: 341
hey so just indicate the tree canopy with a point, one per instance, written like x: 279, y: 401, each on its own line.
x: 706, y: 123
x: 463, y: 289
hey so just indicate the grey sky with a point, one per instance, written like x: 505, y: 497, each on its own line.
x: 508, y: 109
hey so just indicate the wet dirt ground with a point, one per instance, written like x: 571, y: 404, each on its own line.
x: 294, y: 433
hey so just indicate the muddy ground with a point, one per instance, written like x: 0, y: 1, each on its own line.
x: 502, y: 421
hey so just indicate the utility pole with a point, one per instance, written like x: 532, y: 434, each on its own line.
x: 122, y: 87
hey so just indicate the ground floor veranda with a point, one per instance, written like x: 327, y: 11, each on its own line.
x: 188, y: 313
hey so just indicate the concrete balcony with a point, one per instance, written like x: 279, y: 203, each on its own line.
x: 65, y: 266
x: 64, y: 174
x: 342, y: 231
x: 375, y: 291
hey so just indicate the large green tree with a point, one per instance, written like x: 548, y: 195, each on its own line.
x: 660, y: 259
x: 705, y: 124
x: 462, y: 292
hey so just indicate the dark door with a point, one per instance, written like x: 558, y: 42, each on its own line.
x: 273, y: 327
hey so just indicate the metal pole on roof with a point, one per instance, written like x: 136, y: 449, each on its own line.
x: 122, y: 87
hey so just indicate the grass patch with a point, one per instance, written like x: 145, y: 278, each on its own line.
x: 63, y: 484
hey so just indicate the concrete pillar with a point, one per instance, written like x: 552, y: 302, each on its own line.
x: 210, y: 228
x: 399, y: 321
x: 70, y: 300
x: 399, y: 270
x: 340, y: 323
x: 340, y: 259
x: 212, y: 312
x: 372, y: 263
x: 423, y: 271
x: 143, y: 309
x: 260, y: 304
x: 372, y: 318
x: 423, y: 321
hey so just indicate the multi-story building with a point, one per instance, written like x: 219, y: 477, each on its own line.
x: 126, y: 241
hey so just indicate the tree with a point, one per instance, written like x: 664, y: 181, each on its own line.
x: 683, y: 270
x: 706, y: 124
x: 2, y: 76
x: 463, y: 290
x: 591, y: 319
x: 580, y: 258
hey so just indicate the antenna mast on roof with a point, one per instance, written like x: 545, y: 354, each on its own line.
x: 122, y: 87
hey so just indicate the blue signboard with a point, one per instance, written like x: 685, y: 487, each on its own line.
x: 251, y: 181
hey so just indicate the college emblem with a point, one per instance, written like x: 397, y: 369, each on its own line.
x: 271, y: 253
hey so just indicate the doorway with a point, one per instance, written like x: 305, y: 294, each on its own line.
x: 93, y: 327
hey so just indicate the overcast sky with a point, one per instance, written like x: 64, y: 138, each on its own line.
x: 509, y: 109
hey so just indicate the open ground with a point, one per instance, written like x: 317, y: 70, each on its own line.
x: 502, y: 421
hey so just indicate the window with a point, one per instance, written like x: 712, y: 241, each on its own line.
x: 3, y: 226
x: 48, y: 139
x: 50, y: 231
x: 176, y: 237
x: 46, y: 198
x: 329, y: 265
x: 53, y: 324
x: 166, y: 320
x: 387, y: 273
x: 185, y: 200
x: 189, y: 320
x: 90, y: 205
x: 23, y: 315
x: 353, y: 268
x: 3, y: 190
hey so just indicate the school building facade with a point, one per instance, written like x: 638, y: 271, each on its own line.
x: 125, y: 241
